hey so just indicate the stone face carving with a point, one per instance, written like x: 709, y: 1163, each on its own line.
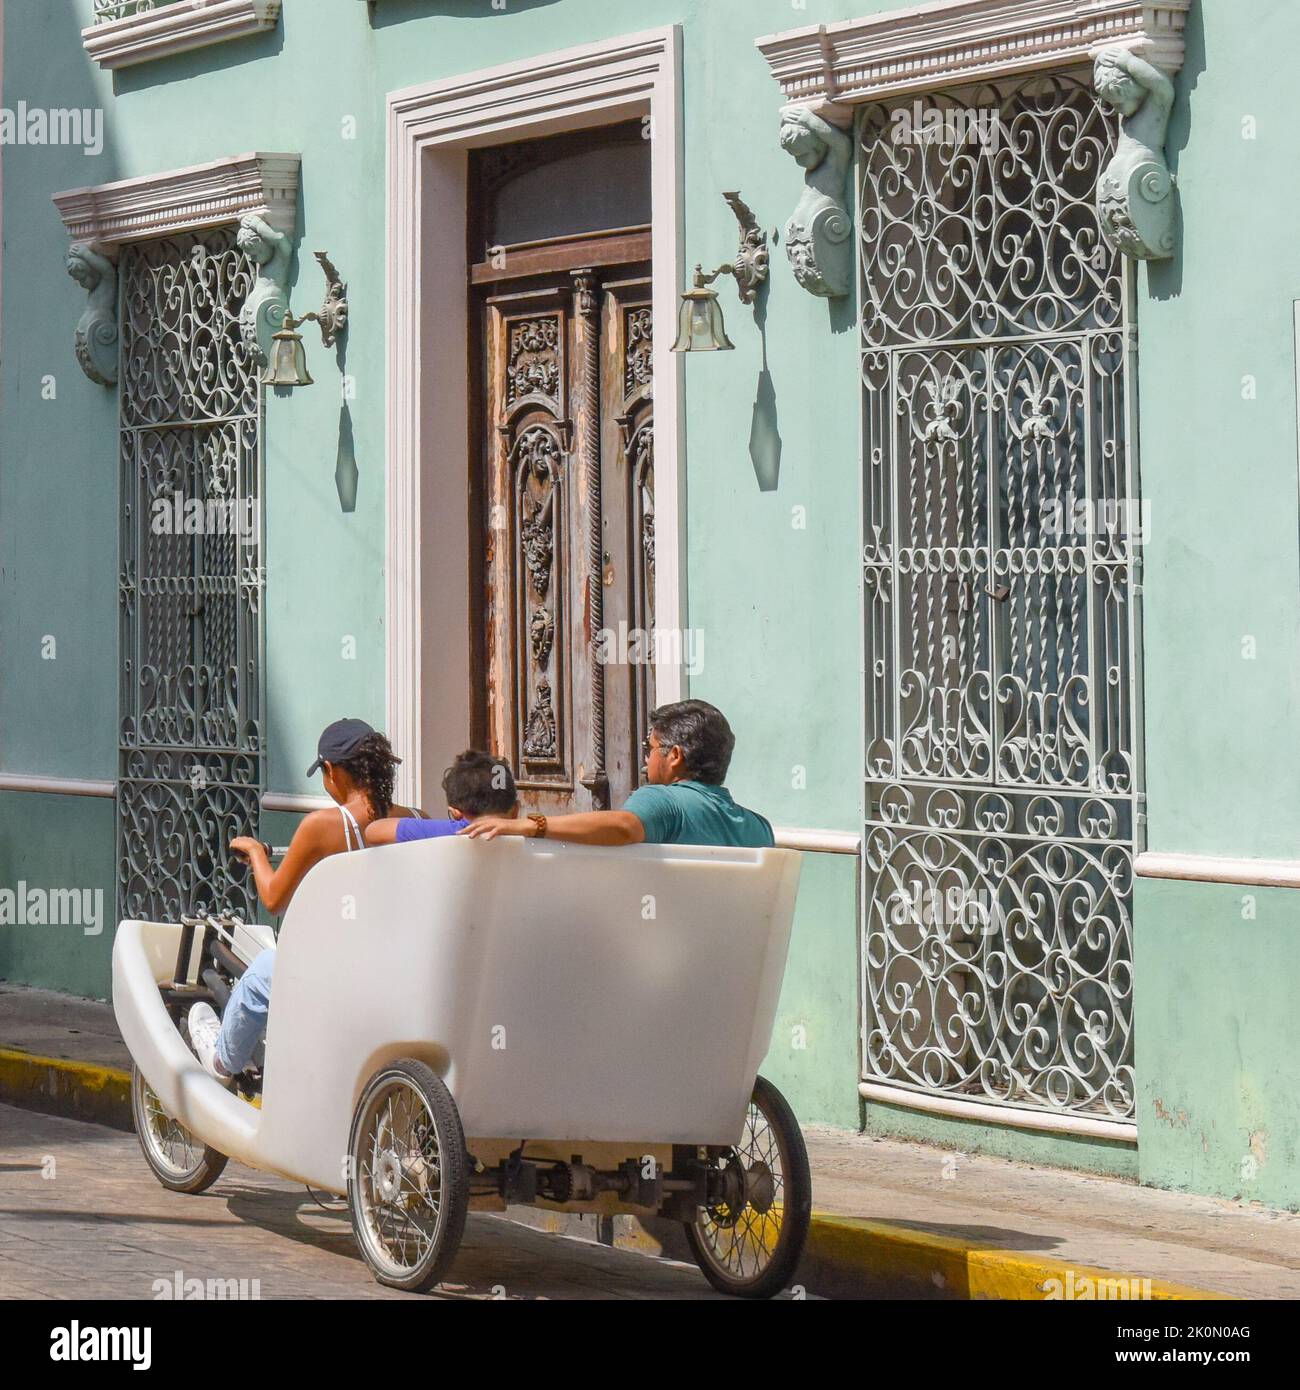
x: 1135, y: 194
x: 96, y: 335
x: 817, y: 234
x: 268, y: 301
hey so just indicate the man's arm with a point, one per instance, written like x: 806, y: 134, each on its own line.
x: 583, y: 828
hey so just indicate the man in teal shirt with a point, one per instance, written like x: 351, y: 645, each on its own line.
x: 687, y: 755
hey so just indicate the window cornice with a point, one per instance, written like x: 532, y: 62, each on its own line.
x: 959, y: 41
x: 203, y: 195
x: 175, y: 28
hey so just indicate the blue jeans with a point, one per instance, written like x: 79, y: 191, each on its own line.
x: 244, y: 1023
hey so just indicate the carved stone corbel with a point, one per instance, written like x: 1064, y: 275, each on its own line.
x: 1135, y: 193
x: 817, y: 234
x: 263, y: 311
x: 96, y: 336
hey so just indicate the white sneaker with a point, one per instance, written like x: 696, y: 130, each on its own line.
x: 205, y: 1028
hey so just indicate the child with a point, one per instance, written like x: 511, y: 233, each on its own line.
x: 476, y: 785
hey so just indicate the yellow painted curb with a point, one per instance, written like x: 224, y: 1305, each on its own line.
x: 947, y: 1267
x: 82, y: 1090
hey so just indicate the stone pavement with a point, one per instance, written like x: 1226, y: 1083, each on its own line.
x: 57, y: 1025
x: 889, y: 1216
x: 102, y: 1227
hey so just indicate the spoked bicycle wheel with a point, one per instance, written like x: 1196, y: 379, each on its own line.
x: 408, y: 1176
x: 749, y: 1235
x: 178, y: 1160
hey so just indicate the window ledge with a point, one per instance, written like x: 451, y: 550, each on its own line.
x: 176, y: 28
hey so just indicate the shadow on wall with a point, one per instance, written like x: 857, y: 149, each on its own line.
x: 764, y: 427
x: 209, y: 63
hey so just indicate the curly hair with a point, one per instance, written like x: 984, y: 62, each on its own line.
x: 372, y: 767
x: 479, y: 784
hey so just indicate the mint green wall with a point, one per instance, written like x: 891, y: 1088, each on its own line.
x: 57, y: 842
x: 1111, y: 1158
x: 1218, y: 1040
x: 1216, y: 1032
x: 814, y: 1052
x: 1220, y: 471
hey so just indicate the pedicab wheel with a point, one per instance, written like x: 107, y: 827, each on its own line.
x: 748, y: 1237
x: 179, y: 1161
x: 408, y: 1176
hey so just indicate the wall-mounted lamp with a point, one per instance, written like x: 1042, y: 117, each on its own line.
x: 287, y: 359
x: 699, y: 322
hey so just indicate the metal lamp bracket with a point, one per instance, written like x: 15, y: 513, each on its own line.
x: 750, y: 266
x: 333, y: 314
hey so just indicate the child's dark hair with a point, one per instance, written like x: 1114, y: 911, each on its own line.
x: 477, y: 784
x: 372, y: 767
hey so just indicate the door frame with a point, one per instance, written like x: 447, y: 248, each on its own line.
x: 429, y: 430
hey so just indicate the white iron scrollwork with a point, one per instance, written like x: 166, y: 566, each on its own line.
x: 1000, y: 562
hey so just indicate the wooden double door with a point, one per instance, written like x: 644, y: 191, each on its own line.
x: 567, y: 555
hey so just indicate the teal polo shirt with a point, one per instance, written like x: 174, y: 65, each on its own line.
x: 695, y: 813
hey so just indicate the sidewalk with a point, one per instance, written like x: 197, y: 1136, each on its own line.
x: 891, y: 1219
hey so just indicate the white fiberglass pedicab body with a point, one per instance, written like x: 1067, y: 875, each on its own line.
x: 461, y: 1025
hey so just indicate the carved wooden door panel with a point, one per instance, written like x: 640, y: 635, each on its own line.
x: 568, y: 534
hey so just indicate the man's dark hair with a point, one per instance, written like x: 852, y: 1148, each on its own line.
x: 702, y: 733
x: 479, y: 784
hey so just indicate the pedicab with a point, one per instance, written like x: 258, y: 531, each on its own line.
x: 460, y: 1025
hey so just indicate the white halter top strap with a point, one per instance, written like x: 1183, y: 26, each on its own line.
x: 350, y: 829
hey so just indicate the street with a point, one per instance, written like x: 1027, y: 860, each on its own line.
x: 99, y: 1226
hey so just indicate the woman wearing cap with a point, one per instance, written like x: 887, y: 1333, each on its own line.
x: 357, y: 766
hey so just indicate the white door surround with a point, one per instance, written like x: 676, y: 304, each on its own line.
x: 427, y: 572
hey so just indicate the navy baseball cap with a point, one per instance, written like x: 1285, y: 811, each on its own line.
x: 340, y: 741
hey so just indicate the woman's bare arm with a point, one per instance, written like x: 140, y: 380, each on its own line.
x: 318, y: 834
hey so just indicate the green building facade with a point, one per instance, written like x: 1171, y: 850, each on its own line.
x: 990, y: 557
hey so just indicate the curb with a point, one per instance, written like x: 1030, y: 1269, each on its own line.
x: 846, y: 1256
x: 849, y: 1257
x: 78, y: 1090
